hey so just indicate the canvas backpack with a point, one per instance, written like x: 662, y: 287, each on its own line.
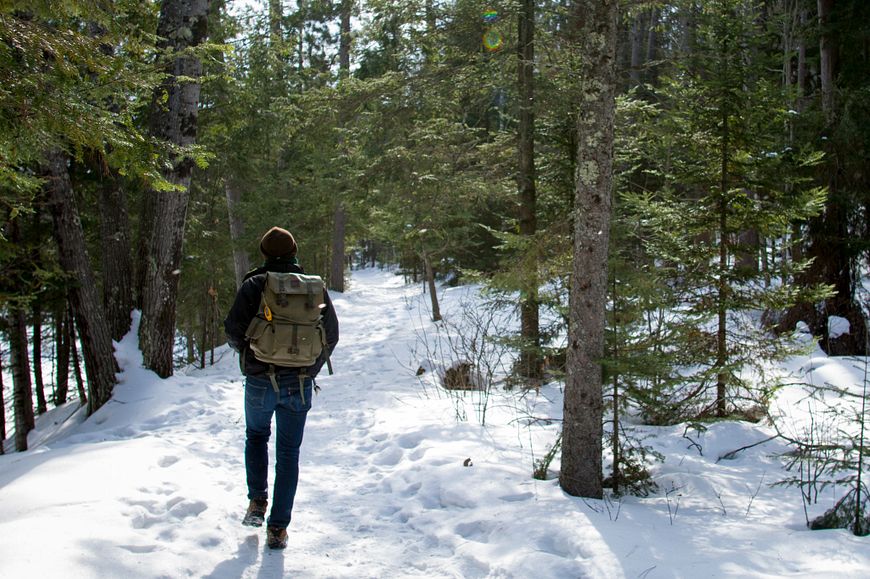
x: 288, y: 330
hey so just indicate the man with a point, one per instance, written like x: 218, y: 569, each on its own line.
x: 284, y: 391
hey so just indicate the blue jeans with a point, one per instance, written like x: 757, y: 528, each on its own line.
x: 261, y: 401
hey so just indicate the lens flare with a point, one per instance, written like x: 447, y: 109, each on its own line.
x: 492, y: 41
x: 490, y: 16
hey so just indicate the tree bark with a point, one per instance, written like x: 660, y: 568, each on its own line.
x: 99, y: 356
x: 182, y: 25
x: 77, y: 366
x: 594, y: 28
x: 62, y: 346
x: 827, y: 58
x: 241, y: 261
x: 530, y: 358
x: 22, y: 393
x: 36, y: 343
x: 637, y: 41
x: 336, y: 271
x: 802, y: 62
x: 276, y: 24
x: 116, y: 257
x: 652, y: 47
x: 339, y: 218
x: 2, y: 410
x: 433, y: 290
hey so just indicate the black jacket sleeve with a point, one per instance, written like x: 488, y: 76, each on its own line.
x: 243, y: 310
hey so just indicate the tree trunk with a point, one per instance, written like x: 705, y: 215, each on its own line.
x: 827, y: 58
x: 2, y: 410
x: 530, y: 358
x: 116, y: 255
x: 433, y: 290
x: 276, y: 24
x: 22, y: 393
x: 652, y: 47
x: 93, y: 330
x: 339, y: 219
x: 62, y: 346
x: 336, y: 272
x: 594, y: 28
x: 183, y: 24
x: 36, y: 344
x: 802, y: 61
x: 241, y: 261
x: 722, y: 288
x: 637, y: 41
x: 722, y: 312
x: 77, y: 366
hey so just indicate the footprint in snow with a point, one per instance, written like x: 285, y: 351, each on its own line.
x: 409, y: 441
x: 167, y: 461
x: 389, y: 457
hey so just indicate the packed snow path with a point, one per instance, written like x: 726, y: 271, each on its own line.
x: 153, y: 485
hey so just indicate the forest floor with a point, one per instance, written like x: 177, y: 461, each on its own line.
x: 153, y: 484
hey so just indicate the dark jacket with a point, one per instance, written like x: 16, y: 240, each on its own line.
x: 246, y: 306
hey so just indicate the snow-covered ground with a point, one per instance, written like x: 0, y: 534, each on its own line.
x: 153, y: 484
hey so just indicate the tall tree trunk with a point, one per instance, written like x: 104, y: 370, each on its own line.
x: 116, y: 257
x: 62, y: 347
x: 827, y: 58
x: 183, y: 24
x: 22, y: 393
x: 336, y: 272
x: 36, y: 322
x: 594, y: 23
x: 722, y: 311
x: 146, y: 226
x: 802, y: 62
x: 36, y: 344
x: 433, y: 289
x: 77, y: 366
x: 93, y: 329
x: 530, y: 358
x: 722, y: 287
x: 276, y: 24
x: 652, y: 47
x: 2, y: 410
x: 637, y: 42
x: 339, y: 218
x: 241, y: 261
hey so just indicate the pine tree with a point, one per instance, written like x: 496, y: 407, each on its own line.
x: 183, y: 25
x: 720, y: 167
x: 594, y: 29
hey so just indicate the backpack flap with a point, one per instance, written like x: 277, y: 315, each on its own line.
x: 294, y: 297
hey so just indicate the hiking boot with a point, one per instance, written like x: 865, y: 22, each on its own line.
x: 276, y: 537
x: 256, y: 513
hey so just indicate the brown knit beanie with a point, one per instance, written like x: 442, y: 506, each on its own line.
x: 278, y: 242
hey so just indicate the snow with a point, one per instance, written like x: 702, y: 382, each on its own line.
x: 153, y: 484
x: 837, y: 326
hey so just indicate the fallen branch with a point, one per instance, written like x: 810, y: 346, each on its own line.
x: 733, y: 454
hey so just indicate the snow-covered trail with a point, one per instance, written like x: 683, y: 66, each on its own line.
x: 383, y: 489
x: 153, y: 484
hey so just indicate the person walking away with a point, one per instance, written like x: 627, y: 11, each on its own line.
x: 284, y: 327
